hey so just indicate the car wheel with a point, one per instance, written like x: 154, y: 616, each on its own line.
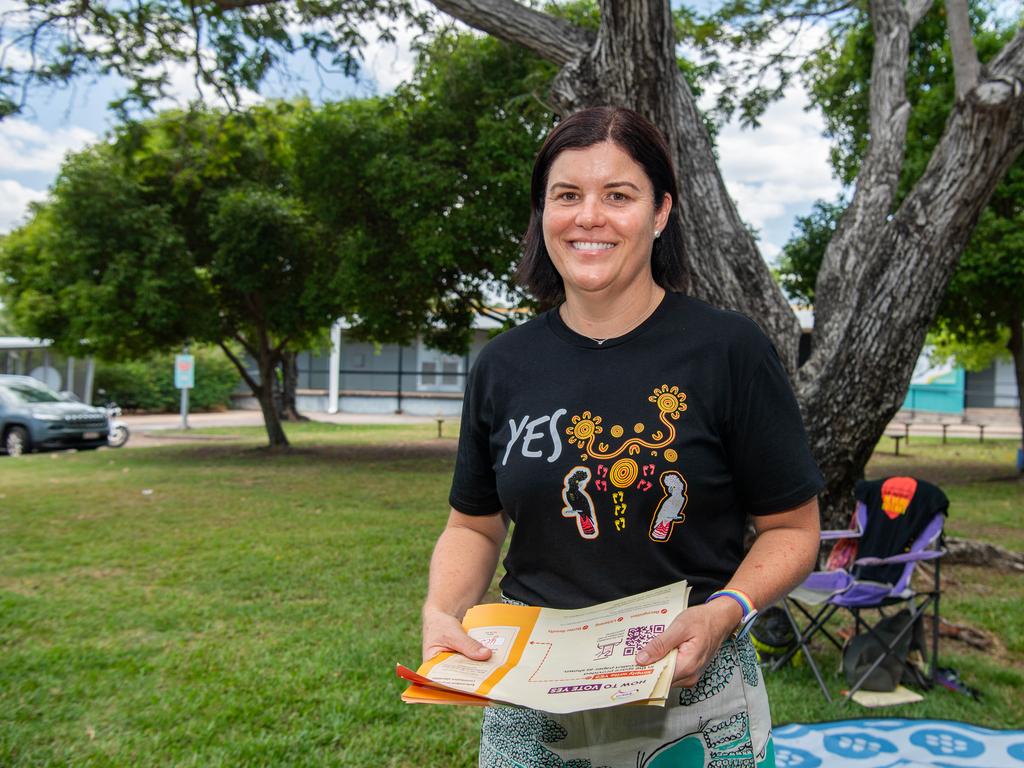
x: 16, y: 442
x: 118, y: 436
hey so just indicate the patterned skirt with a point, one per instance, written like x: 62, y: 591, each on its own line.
x: 722, y: 722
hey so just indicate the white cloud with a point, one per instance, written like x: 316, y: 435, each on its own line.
x: 760, y: 203
x: 14, y: 57
x: 27, y: 147
x: 770, y: 251
x: 777, y: 171
x: 788, y: 145
x: 14, y: 200
x: 388, y: 64
x: 183, y: 89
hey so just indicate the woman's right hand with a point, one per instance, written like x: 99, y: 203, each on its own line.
x: 443, y: 632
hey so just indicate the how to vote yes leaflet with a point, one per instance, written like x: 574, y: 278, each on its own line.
x: 556, y: 660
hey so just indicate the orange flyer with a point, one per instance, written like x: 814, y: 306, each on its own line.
x: 556, y: 660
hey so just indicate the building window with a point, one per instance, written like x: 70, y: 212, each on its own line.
x: 428, y: 369
x: 438, y: 372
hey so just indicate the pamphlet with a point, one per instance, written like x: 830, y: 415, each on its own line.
x: 556, y: 660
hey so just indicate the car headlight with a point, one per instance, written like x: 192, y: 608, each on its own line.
x: 45, y: 416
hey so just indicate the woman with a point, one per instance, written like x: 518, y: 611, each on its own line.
x: 628, y: 433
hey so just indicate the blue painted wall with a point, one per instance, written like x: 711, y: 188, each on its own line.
x: 942, y: 392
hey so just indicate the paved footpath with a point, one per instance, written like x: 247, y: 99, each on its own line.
x: 147, y: 429
x: 1002, y: 423
x: 150, y: 429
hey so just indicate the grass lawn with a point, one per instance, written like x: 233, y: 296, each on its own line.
x: 218, y: 605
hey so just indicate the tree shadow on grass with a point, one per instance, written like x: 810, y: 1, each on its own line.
x: 374, y: 453
x: 955, y: 471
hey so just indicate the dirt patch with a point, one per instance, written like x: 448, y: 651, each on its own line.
x: 375, y: 453
x: 952, y: 472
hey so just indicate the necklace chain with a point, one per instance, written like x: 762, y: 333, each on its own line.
x: 634, y: 326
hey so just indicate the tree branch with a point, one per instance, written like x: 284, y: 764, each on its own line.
x: 201, y: 75
x: 916, y: 10
x: 234, y: 5
x: 246, y: 345
x: 848, y: 256
x: 482, y: 309
x: 549, y: 37
x: 279, y: 348
x: 1007, y: 68
x: 241, y: 368
x: 966, y: 67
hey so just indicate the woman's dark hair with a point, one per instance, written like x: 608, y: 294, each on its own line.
x: 643, y: 142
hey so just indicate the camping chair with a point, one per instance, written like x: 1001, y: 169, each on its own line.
x: 897, y: 523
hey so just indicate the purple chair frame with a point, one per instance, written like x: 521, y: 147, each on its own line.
x: 845, y: 592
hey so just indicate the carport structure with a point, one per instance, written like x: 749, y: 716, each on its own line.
x: 26, y: 356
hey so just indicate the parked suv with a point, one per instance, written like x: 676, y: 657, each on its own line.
x: 34, y: 417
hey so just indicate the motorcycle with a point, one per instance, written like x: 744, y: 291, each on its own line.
x: 118, y: 434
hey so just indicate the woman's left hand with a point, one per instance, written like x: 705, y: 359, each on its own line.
x: 698, y: 633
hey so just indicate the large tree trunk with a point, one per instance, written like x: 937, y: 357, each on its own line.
x: 884, y: 273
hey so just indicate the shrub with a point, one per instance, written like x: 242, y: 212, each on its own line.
x: 148, y: 384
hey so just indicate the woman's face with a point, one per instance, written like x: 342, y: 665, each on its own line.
x: 599, y: 221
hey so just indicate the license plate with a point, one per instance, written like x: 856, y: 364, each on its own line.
x: 91, y: 436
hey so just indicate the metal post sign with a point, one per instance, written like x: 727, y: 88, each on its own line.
x: 184, y: 372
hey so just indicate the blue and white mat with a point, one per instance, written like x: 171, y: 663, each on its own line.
x: 894, y: 743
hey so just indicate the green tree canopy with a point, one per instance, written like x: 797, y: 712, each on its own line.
x: 261, y: 227
x: 427, y: 191
x: 185, y: 227
x: 801, y: 256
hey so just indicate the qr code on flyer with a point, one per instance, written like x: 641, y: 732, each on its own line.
x: 638, y: 637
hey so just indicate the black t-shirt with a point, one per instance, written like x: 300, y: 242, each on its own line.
x: 630, y: 464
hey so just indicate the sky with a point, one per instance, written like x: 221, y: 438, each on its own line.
x: 774, y: 173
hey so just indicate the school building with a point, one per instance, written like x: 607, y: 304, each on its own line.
x: 361, y: 377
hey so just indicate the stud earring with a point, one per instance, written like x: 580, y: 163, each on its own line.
x: 657, y: 234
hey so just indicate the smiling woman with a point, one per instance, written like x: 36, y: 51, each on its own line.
x: 600, y: 222
x: 674, y: 422
x: 604, y: 169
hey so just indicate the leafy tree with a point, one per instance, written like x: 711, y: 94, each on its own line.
x: 867, y: 310
x: 394, y: 192
x: 801, y: 256
x: 73, y: 265
x: 184, y: 227
x: 984, y: 302
x: 972, y: 356
x: 6, y: 329
x: 426, y: 191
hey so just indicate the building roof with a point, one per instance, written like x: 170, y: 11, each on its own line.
x: 22, y: 342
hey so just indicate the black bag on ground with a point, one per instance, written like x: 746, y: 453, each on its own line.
x: 863, y: 650
x: 772, y: 634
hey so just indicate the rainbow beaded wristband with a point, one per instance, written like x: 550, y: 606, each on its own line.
x: 746, y: 605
